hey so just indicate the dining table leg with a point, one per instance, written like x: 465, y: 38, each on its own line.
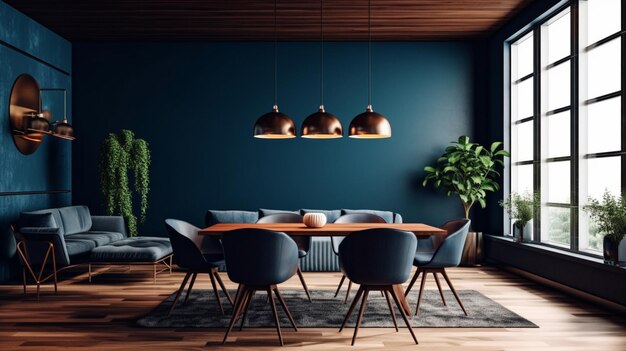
x: 402, y: 299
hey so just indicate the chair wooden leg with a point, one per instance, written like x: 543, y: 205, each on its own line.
x: 417, y: 274
x: 348, y: 291
x: 352, y: 306
x: 217, y: 295
x: 406, y: 320
x: 343, y: 277
x: 440, y: 290
x: 419, y: 297
x: 393, y: 314
x: 236, y: 311
x: 445, y: 276
x: 306, y: 289
x: 246, y: 305
x: 282, y: 302
x: 180, y: 291
x: 193, y: 280
x: 221, y: 283
x: 361, y: 310
x: 280, y: 335
x: 89, y: 269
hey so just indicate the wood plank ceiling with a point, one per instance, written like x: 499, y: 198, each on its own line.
x: 253, y: 19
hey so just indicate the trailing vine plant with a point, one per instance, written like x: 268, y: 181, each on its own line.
x: 120, y: 154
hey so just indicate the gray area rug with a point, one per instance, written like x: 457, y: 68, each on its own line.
x: 326, y: 311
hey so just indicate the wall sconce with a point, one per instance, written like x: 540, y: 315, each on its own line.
x: 29, y: 124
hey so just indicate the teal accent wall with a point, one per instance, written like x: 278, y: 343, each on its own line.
x: 196, y: 104
x: 28, y: 47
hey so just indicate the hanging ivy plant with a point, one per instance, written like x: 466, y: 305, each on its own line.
x: 120, y: 154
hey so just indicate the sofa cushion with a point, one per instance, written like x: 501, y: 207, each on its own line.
x: 55, y: 214
x: 37, y: 220
x: 386, y: 215
x: 76, y: 219
x: 266, y: 212
x: 98, y: 237
x: 137, y: 249
x: 331, y: 215
x: 232, y: 216
x: 77, y: 246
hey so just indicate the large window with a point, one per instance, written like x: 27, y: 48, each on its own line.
x: 567, y: 117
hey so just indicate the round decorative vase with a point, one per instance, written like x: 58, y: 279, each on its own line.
x: 314, y: 220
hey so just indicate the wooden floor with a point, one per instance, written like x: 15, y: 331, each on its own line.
x: 99, y: 316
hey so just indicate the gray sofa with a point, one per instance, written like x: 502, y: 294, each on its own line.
x: 321, y: 257
x: 77, y: 237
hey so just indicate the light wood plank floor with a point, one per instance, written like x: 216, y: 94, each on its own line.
x: 98, y: 316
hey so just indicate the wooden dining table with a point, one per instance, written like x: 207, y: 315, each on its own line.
x: 420, y: 230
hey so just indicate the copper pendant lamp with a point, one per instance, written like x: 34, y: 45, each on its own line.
x: 369, y: 124
x: 61, y: 128
x: 321, y: 124
x: 275, y: 125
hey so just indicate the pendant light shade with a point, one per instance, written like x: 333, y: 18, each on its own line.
x: 274, y: 125
x: 36, y: 123
x: 369, y: 124
x: 62, y: 129
x: 322, y: 125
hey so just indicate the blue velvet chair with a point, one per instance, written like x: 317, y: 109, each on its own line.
x: 448, y: 254
x: 259, y: 259
x: 377, y: 259
x: 186, y: 244
x: 336, y: 240
x: 303, y: 243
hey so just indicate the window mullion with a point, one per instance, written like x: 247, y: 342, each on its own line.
x: 574, y: 84
x: 537, y: 129
x: 623, y: 102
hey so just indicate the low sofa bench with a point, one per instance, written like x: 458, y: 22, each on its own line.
x: 321, y: 257
x: 69, y: 236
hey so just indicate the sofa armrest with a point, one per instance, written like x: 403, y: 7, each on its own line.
x: 35, y: 240
x: 109, y: 224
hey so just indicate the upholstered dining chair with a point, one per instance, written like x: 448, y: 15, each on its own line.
x: 303, y: 243
x: 377, y: 259
x: 259, y: 259
x: 448, y: 254
x: 186, y: 245
x: 336, y: 240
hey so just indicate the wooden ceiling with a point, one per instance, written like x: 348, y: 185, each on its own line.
x: 254, y: 19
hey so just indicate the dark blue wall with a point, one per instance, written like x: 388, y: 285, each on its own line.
x: 196, y: 104
x: 27, y: 47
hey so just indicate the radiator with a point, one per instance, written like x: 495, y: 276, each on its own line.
x: 321, y: 257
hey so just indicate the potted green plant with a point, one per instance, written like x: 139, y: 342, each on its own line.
x: 520, y: 209
x: 121, y: 154
x: 468, y: 170
x: 610, y: 217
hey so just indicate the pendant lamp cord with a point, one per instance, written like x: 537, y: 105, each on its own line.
x: 322, y: 53
x: 275, y: 58
x: 369, y: 53
x: 64, y: 105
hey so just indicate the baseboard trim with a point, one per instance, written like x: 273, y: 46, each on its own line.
x: 610, y: 305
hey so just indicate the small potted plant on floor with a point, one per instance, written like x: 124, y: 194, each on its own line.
x: 520, y: 209
x: 610, y: 217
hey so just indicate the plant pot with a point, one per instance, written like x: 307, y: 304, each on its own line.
x: 614, y: 252
x: 473, y: 249
x: 525, y: 234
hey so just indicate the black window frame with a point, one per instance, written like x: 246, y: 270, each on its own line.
x: 573, y: 108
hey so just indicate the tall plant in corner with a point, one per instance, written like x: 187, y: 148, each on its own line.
x: 468, y: 170
x: 120, y: 154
